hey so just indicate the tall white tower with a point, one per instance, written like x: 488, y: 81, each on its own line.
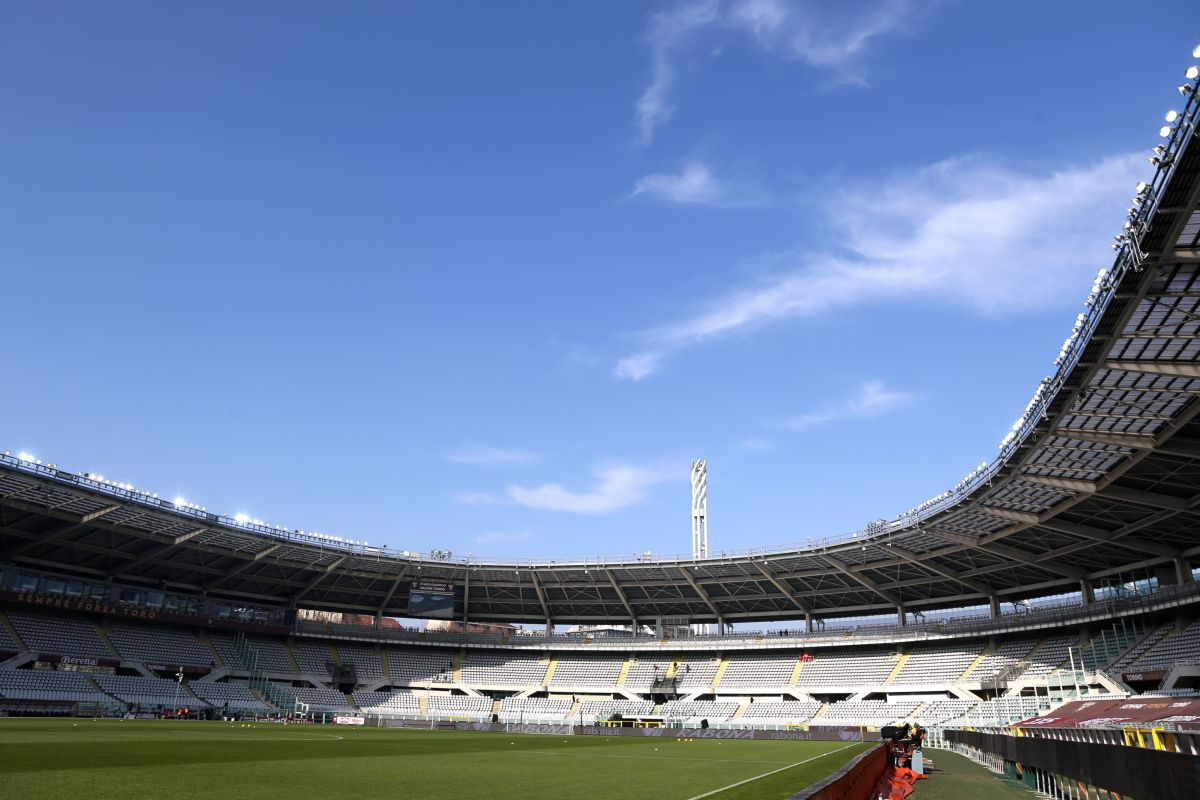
x: 700, y: 519
x: 699, y: 509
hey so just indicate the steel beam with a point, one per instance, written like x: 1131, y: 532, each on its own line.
x: 865, y: 581
x: 541, y: 596
x: 624, y: 599
x: 1067, y: 484
x: 708, y: 601
x: 782, y: 586
x: 1171, y: 368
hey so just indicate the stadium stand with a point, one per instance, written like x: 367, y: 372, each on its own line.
x: 873, y: 713
x: 1172, y: 648
x: 533, y: 709
x: 322, y: 700
x: 365, y: 660
x: 604, y: 709
x: 937, y: 663
x: 232, y: 695
x: 312, y: 656
x: 846, y: 668
x: 388, y: 703
x: 448, y: 706
x: 504, y: 669
x: 694, y: 711
x: 587, y: 670
x: 159, y: 644
x: 415, y: 666
x: 61, y: 634
x: 765, y: 669
x: 781, y: 713
x: 37, y: 684
x: 147, y: 691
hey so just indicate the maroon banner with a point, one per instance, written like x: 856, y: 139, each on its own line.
x: 186, y: 668
x: 114, y: 610
x: 1137, y: 677
x: 1178, y: 712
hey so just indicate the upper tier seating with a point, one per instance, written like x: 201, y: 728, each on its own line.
x: 1152, y: 638
x: 1182, y: 647
x: 1009, y: 653
x: 364, y: 659
x: 60, y: 634
x: 159, y: 645
x: 574, y: 669
x: 847, y: 668
x: 1051, y: 655
x: 942, y: 663
x: 312, y: 656
x: 236, y: 696
x: 44, y: 684
x: 420, y: 665
x: 7, y: 643
x: 500, y: 668
x: 759, y: 669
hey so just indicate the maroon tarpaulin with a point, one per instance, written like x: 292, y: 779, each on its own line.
x: 1183, y: 712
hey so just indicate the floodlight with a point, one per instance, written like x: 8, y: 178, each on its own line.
x: 1185, y: 89
x: 1141, y: 187
x: 241, y: 518
x: 1196, y: 51
x: 23, y: 456
x: 1172, y: 115
x: 180, y: 502
x: 1164, y: 131
x: 1192, y: 73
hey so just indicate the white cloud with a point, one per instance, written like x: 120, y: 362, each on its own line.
x: 617, y: 486
x: 965, y: 233
x: 502, y: 537
x: 695, y: 184
x: 804, y: 31
x: 669, y: 31
x: 483, y: 455
x: 872, y: 399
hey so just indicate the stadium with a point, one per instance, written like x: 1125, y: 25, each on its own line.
x: 1040, y: 621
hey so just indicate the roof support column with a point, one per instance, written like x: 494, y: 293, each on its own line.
x: 1085, y: 590
x: 994, y: 606
x: 1183, y: 571
x: 901, y: 616
x: 466, y: 599
x: 808, y: 622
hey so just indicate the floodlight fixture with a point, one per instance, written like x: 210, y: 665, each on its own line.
x: 1185, y: 89
x: 1192, y: 73
x: 241, y: 518
x: 1164, y: 131
x: 1196, y: 51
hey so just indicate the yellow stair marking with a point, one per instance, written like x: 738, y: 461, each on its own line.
x: 821, y: 710
x: 900, y: 662
x: 103, y: 634
x: 8, y: 626
x: 739, y: 711
x: 672, y: 668
x: 624, y: 671
x: 795, y: 672
x: 720, y: 671
x: 549, y: 671
x: 423, y: 703
x: 208, y: 643
x: 986, y: 651
x: 287, y: 651
x: 456, y: 665
x: 384, y: 662
x: 575, y: 709
x: 495, y: 706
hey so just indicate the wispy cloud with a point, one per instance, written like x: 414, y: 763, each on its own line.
x: 502, y: 537
x: 695, y: 184
x: 616, y: 486
x: 803, y: 31
x: 483, y: 455
x: 756, y: 443
x: 669, y: 32
x: 872, y: 399
x: 965, y: 232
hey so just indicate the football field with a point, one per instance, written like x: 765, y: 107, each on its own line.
x: 161, y: 760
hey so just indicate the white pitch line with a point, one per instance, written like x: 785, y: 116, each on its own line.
x: 772, y: 772
x: 651, y: 758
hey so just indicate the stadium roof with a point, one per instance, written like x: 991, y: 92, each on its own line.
x: 1100, y: 477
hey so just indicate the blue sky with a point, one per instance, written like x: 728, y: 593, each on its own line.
x: 484, y: 277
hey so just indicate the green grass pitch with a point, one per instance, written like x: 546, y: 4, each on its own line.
x: 159, y: 760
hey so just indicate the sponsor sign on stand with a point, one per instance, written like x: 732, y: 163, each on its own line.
x: 349, y: 721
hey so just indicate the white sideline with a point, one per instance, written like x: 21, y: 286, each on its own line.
x: 772, y: 772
